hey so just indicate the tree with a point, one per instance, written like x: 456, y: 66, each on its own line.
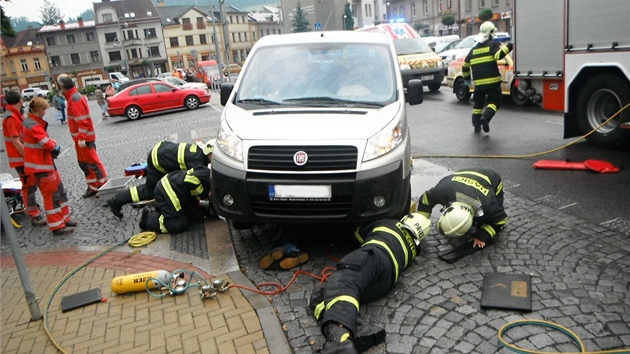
x: 50, y: 13
x: 348, y: 24
x: 6, y: 27
x: 300, y: 23
x: 448, y: 20
x: 485, y: 15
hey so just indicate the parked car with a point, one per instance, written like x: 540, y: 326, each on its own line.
x: 29, y: 93
x: 175, y: 81
x: 130, y: 83
x: 439, y: 48
x: 461, y: 49
x: 154, y: 96
x: 455, y: 80
x: 163, y: 75
x: 234, y: 69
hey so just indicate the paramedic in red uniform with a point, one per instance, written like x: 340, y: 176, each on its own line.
x: 12, y: 129
x: 83, y: 135
x: 39, y: 154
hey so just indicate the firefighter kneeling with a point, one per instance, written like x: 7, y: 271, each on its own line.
x: 366, y: 274
x: 179, y: 196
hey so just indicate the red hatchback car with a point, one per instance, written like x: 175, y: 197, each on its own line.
x: 151, y: 97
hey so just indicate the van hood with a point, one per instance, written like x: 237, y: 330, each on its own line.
x: 310, y: 123
x: 421, y: 60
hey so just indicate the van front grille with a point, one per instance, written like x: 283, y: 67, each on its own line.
x: 320, y: 158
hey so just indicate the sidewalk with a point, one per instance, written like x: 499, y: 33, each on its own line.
x: 234, y: 322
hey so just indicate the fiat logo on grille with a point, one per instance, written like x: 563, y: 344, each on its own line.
x: 300, y: 158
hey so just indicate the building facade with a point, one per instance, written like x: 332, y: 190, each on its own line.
x: 24, y: 63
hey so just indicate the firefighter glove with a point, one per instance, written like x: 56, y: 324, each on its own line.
x: 56, y: 151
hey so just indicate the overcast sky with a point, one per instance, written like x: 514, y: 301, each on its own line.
x: 31, y: 9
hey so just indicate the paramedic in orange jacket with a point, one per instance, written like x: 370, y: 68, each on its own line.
x: 39, y: 154
x: 83, y: 135
x: 12, y: 129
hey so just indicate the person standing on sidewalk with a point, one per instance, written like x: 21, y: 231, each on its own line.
x: 482, y: 62
x: 363, y: 275
x: 12, y: 120
x: 100, y: 99
x: 39, y: 154
x: 82, y: 131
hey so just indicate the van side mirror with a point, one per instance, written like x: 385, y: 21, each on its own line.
x: 414, y: 92
x: 226, y: 91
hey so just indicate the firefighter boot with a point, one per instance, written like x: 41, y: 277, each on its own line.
x: 338, y: 339
x: 144, y: 217
x: 475, y: 122
x: 485, y: 123
x: 367, y: 336
x: 116, y: 203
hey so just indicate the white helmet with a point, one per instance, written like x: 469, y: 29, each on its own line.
x: 487, y: 29
x: 207, y: 147
x: 417, y: 224
x: 456, y: 219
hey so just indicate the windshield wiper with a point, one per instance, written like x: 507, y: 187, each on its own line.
x: 260, y: 101
x: 331, y: 99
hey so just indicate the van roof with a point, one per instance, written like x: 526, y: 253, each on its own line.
x: 395, y: 30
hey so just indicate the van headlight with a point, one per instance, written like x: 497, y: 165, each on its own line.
x: 384, y: 141
x: 229, y: 143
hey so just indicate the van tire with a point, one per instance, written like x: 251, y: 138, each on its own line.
x: 435, y: 86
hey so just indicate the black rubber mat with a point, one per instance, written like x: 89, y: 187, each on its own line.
x: 81, y: 299
x: 507, y: 291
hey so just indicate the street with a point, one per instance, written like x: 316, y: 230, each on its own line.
x: 569, y: 229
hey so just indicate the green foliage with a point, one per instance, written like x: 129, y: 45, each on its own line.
x: 348, y: 21
x: 300, y: 23
x: 89, y: 90
x: 22, y: 23
x: 485, y: 15
x: 6, y: 27
x: 448, y: 20
x: 50, y: 13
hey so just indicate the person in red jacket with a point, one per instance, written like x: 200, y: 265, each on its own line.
x: 84, y: 136
x: 39, y: 154
x: 12, y: 129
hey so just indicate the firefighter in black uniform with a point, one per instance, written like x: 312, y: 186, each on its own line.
x: 179, y: 196
x: 469, y: 197
x: 482, y: 61
x: 365, y: 274
x: 165, y: 157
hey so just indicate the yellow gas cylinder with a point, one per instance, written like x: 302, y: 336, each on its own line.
x: 138, y: 282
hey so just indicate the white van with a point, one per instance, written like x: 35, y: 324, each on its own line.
x: 315, y: 131
x: 118, y: 76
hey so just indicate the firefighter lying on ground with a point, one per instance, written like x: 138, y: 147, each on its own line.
x: 165, y: 157
x: 365, y: 274
x: 179, y: 196
x: 469, y: 197
x: 287, y: 255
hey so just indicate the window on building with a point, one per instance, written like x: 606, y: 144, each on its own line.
x: 134, y: 53
x: 468, y: 5
x: 110, y: 37
x: 90, y: 37
x: 38, y: 65
x: 94, y: 57
x: 115, y: 56
x: 240, y: 39
x: 203, y: 39
x: 12, y: 67
x: 495, y: 3
x: 154, y: 51
x: 131, y: 34
x: 449, y: 4
x: 174, y: 42
x: 482, y: 4
x: 50, y: 41
x: 24, y: 64
x: 189, y: 40
x: 75, y: 58
x: 413, y: 9
x: 262, y: 34
x: 440, y: 6
x: 55, y: 60
x: 107, y: 18
x: 425, y: 7
x: 70, y: 38
x: 150, y: 33
x: 254, y: 34
x: 186, y: 21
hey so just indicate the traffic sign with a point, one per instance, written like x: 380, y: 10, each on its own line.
x: 318, y: 26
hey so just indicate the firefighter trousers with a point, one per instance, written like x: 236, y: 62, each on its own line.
x: 55, y: 199
x: 493, y: 97
x: 91, y: 165
x: 29, y: 192
x: 363, y: 275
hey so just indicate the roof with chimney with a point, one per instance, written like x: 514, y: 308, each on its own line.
x: 25, y: 38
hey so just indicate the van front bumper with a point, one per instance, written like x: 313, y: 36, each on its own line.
x: 245, y: 196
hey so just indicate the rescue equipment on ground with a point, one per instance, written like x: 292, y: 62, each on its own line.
x: 588, y: 165
x: 177, y: 284
x: 12, y: 189
x: 136, y: 169
x: 141, y: 281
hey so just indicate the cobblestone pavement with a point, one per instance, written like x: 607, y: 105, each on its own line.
x: 580, y: 271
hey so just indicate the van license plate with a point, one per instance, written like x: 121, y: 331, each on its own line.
x: 309, y: 193
x: 426, y: 77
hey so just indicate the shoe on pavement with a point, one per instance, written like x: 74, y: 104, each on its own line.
x: 115, y: 207
x: 66, y: 230
x: 485, y: 123
x: 72, y: 223
x: 144, y: 217
x: 477, y: 128
x: 38, y: 220
x: 367, y: 336
x: 292, y: 262
x: 89, y: 193
x: 271, y: 258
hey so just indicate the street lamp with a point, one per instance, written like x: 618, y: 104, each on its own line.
x: 121, y: 40
x: 344, y: 21
x: 387, y: 10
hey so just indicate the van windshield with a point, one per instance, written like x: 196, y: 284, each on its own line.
x: 319, y: 74
x: 411, y: 46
